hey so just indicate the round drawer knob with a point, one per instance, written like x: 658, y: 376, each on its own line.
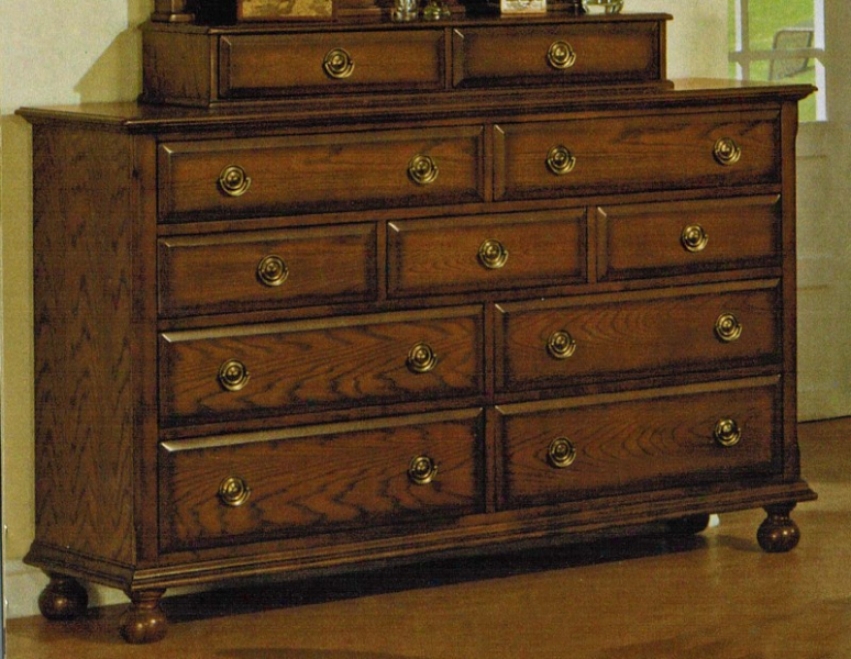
x: 234, y: 492
x: 561, y: 453
x: 561, y: 55
x: 728, y: 328
x: 421, y: 358
x: 338, y: 64
x: 272, y: 271
x: 233, y: 181
x: 493, y: 255
x: 694, y: 238
x: 727, y: 152
x: 233, y: 375
x: 422, y: 470
x: 560, y: 160
x: 727, y: 432
x: 561, y: 345
x: 422, y: 170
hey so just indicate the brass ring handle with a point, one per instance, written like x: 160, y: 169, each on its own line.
x: 561, y: 453
x: 727, y: 152
x: 338, y: 64
x: 727, y: 433
x: 421, y: 358
x: 234, y: 491
x: 422, y: 170
x: 272, y: 271
x: 422, y: 470
x: 493, y: 255
x: 561, y: 55
x: 561, y: 345
x: 694, y: 238
x: 560, y: 160
x: 233, y: 181
x: 233, y: 375
x: 728, y: 328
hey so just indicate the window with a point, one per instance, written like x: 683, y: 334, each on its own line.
x: 780, y: 42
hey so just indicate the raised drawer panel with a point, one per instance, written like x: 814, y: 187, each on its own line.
x: 263, y: 270
x: 572, y: 449
x: 486, y: 253
x: 281, y: 368
x: 561, y: 343
x: 319, y: 173
x: 286, y: 65
x: 420, y: 469
x: 633, y: 153
x: 653, y: 240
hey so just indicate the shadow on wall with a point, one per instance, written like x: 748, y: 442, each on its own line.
x: 117, y: 74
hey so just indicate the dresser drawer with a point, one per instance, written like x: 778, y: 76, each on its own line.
x: 249, y: 371
x: 223, y: 490
x: 331, y: 172
x: 613, y: 52
x: 607, y: 337
x: 632, y: 153
x: 263, y: 270
x: 486, y: 253
x: 654, y: 240
x: 643, y: 441
x: 285, y: 65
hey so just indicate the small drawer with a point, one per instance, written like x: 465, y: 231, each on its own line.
x: 692, y: 236
x: 250, y: 371
x: 264, y: 270
x: 561, y: 343
x: 256, y: 66
x: 558, y: 55
x: 568, y: 450
x: 486, y: 253
x: 226, y: 179
x: 417, y: 470
x: 633, y: 153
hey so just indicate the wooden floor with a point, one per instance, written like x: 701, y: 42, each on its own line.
x: 715, y: 595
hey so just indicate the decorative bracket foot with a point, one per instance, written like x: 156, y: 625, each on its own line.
x: 778, y: 533
x: 63, y: 598
x: 144, y: 620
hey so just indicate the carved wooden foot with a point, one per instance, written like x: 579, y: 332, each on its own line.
x: 63, y: 598
x: 144, y: 620
x: 778, y: 533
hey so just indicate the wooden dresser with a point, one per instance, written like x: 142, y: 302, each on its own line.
x: 342, y: 295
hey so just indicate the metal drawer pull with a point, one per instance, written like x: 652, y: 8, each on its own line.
x: 233, y: 375
x: 234, y: 492
x: 561, y: 55
x: 272, y: 271
x: 727, y: 152
x: 422, y: 170
x: 561, y: 453
x: 422, y: 470
x: 728, y: 328
x: 727, y: 433
x: 338, y: 64
x: 694, y: 238
x: 560, y: 160
x: 233, y: 181
x: 493, y: 255
x: 421, y: 358
x: 561, y: 345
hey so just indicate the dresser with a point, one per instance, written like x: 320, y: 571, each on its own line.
x: 345, y: 295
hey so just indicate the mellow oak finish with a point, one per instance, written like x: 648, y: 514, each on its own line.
x: 359, y: 327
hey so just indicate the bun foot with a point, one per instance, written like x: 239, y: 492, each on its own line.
x: 63, y: 598
x: 144, y: 620
x: 778, y: 533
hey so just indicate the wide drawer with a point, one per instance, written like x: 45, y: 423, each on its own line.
x: 283, y: 65
x: 642, y: 441
x: 249, y: 371
x: 222, y: 490
x: 262, y: 270
x: 636, y: 152
x: 613, y: 52
x: 486, y: 253
x: 652, y: 240
x: 222, y: 179
x: 566, y: 342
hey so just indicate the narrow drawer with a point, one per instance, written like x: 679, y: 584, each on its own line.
x: 486, y: 253
x: 613, y: 52
x: 224, y: 490
x: 319, y: 173
x: 691, y: 236
x: 245, y: 372
x: 285, y: 65
x: 631, y: 153
x: 572, y: 341
x: 263, y: 270
x: 649, y: 440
